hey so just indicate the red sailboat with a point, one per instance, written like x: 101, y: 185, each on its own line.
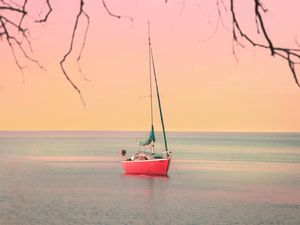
x: 144, y: 162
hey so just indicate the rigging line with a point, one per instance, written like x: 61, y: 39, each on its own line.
x: 159, y: 104
x: 173, y: 165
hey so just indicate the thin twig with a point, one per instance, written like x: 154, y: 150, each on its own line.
x: 288, y: 54
x: 70, y: 50
x: 113, y: 14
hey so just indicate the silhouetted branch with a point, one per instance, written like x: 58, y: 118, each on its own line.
x: 83, y: 45
x: 113, y: 14
x: 15, y: 34
x: 78, y: 16
x: 42, y: 20
x: 8, y: 39
x: 220, y: 18
x: 80, y: 13
x: 24, y: 13
x: 288, y: 54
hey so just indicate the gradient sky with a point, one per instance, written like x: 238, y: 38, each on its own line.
x: 202, y: 86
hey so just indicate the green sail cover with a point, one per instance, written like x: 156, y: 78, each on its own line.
x: 150, y: 138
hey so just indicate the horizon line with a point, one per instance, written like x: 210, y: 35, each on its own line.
x: 170, y: 131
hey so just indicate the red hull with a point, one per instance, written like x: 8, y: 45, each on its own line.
x: 148, y: 167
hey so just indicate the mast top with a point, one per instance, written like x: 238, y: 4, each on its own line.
x: 149, y: 32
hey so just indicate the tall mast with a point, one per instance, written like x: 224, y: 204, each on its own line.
x: 157, y: 92
x: 150, y: 76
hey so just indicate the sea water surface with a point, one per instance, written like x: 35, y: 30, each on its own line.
x: 60, y: 178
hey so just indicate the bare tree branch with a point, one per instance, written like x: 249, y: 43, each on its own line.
x: 80, y: 13
x: 42, y: 20
x: 288, y: 54
x: 24, y: 13
x: 15, y: 14
x: 10, y: 29
x: 113, y: 14
x: 261, y: 24
x: 17, y: 36
x: 220, y: 14
x: 8, y: 39
x: 83, y: 45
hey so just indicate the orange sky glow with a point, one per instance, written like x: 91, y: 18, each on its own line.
x: 203, y: 87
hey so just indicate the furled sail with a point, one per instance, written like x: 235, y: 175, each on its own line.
x: 150, y: 139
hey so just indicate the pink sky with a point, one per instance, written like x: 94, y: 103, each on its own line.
x: 202, y: 87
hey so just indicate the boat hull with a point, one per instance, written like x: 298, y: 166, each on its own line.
x: 158, y: 167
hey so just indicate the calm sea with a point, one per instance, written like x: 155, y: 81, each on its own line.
x: 66, y: 178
